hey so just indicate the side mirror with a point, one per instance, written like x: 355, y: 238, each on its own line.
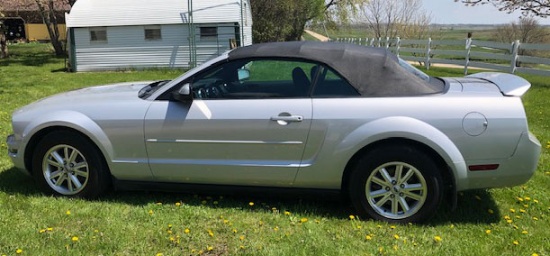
x: 184, y: 94
x: 243, y: 74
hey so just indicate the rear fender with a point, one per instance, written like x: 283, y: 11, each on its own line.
x: 412, y: 129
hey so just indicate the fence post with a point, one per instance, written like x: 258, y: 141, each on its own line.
x: 515, y: 50
x: 379, y: 39
x: 387, y: 42
x: 372, y: 42
x: 428, y: 52
x: 468, y: 49
x: 397, y: 46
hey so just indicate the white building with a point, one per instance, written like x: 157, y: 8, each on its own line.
x: 127, y: 34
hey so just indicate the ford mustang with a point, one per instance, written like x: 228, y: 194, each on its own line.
x: 293, y: 115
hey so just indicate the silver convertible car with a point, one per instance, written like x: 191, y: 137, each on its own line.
x: 293, y: 115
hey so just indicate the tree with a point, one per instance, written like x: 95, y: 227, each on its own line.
x: 527, y: 30
x: 539, y: 8
x: 282, y: 20
x: 393, y: 18
x: 48, y: 10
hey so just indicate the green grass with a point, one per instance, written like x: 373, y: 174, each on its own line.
x: 145, y: 223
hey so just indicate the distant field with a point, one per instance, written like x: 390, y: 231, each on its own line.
x: 439, y: 32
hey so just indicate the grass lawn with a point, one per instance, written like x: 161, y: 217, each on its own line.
x: 506, y: 221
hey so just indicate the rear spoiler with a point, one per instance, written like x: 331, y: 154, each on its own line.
x: 509, y: 85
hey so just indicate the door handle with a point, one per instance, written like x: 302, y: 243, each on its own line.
x: 288, y: 118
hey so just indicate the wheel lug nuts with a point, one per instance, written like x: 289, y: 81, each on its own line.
x: 388, y: 188
x: 401, y: 194
x: 392, y: 196
x: 394, y: 182
x: 402, y: 186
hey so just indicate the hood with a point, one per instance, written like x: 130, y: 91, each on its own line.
x: 95, y: 95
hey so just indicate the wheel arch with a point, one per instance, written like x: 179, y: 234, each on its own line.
x: 446, y: 171
x: 412, y: 132
x: 71, y: 121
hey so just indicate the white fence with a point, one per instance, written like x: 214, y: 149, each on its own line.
x: 467, y: 53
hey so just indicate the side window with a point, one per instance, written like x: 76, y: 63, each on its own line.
x: 331, y: 85
x: 152, y: 32
x: 255, y: 79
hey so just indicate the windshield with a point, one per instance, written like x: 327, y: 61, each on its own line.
x: 407, y: 66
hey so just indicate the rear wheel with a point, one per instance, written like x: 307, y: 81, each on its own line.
x: 67, y: 164
x: 396, y: 183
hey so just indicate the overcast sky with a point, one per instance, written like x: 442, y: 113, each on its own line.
x: 450, y: 12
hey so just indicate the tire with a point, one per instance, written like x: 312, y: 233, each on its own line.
x: 65, y: 163
x: 397, y: 184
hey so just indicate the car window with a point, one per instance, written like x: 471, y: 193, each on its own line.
x: 255, y: 79
x: 331, y: 85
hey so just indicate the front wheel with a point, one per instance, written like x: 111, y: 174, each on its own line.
x: 396, y: 183
x: 67, y: 164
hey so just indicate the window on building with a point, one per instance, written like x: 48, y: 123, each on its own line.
x: 98, y: 35
x: 209, y: 33
x: 153, y: 33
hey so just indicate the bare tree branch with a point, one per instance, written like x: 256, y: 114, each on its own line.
x: 539, y: 8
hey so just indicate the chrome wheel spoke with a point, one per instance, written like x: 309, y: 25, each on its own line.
x: 58, y: 158
x: 54, y: 175
x: 72, y: 156
x: 59, y: 181
x: 383, y: 200
x: 75, y: 182
x: 379, y: 193
x: 404, y: 204
x: 380, y: 182
x: 386, y: 175
x: 413, y: 196
x: 407, y: 176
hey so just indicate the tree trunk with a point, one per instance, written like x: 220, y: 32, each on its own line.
x: 3, y: 46
x: 48, y: 16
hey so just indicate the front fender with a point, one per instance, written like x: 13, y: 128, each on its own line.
x: 74, y: 120
x: 412, y: 129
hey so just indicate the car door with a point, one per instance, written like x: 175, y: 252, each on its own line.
x: 247, y: 125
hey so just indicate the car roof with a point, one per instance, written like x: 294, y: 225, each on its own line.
x: 374, y: 72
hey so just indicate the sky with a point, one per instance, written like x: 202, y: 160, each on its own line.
x: 450, y: 12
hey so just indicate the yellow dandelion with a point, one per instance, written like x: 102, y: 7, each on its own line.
x: 172, y: 239
x: 519, y: 199
x: 525, y: 206
x: 512, y: 210
x: 396, y: 236
x: 225, y: 221
x: 535, y: 254
x: 210, y: 233
x: 241, y: 238
x: 159, y: 203
x: 251, y: 203
x: 49, y: 229
x: 186, y: 231
x: 368, y: 237
x: 19, y: 251
x: 535, y: 201
x: 525, y: 232
x: 276, y: 228
x: 209, y: 248
x: 452, y: 226
x: 159, y: 254
x: 242, y: 247
x: 395, y: 247
x: 42, y: 231
x: 74, y: 239
x: 507, y: 217
x: 351, y: 217
x: 234, y: 231
x: 68, y: 212
x: 169, y: 231
x: 509, y: 221
x: 488, y: 231
x: 178, y: 204
x: 287, y: 213
x: 392, y: 227
x: 527, y: 198
x: 303, y: 220
x: 535, y: 218
x: 515, y: 242
x: 515, y: 227
x: 358, y: 227
x: 437, y: 239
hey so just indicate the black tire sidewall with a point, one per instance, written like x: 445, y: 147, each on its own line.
x: 97, y: 179
x: 390, y: 153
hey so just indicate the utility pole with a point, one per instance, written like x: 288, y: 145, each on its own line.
x: 192, y: 42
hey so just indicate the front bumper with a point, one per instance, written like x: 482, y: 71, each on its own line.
x: 15, y: 153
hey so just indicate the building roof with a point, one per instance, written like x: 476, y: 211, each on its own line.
x: 98, y: 13
x: 374, y: 72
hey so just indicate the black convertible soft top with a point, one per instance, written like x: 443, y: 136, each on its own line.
x: 374, y: 72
